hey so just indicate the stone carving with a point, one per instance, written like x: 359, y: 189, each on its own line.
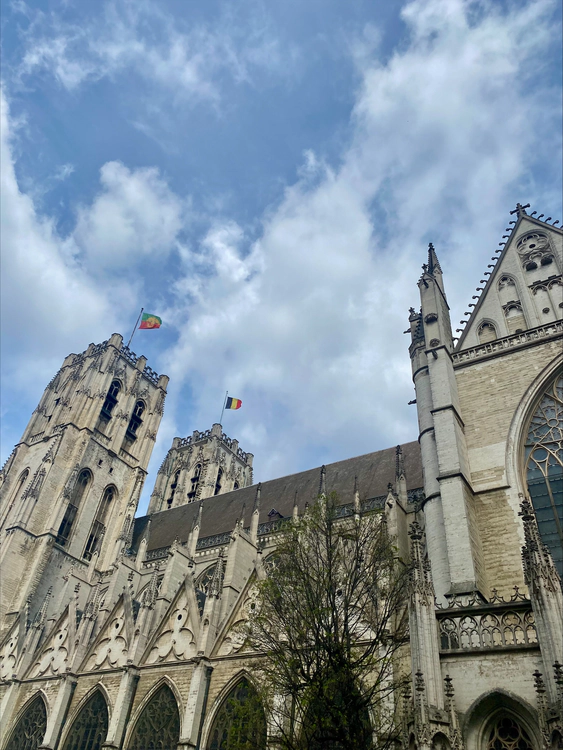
x: 54, y: 658
x: 176, y: 641
x: 112, y: 647
x: 236, y: 635
x: 8, y: 657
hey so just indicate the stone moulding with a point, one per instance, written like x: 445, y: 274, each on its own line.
x: 516, y: 341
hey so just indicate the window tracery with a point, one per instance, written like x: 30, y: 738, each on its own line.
x: 111, y: 400
x: 240, y: 721
x: 78, y: 493
x: 90, y: 727
x: 30, y: 729
x: 544, y: 468
x: 98, y: 527
x: 508, y: 734
x: 195, y: 482
x: 136, y: 420
x: 158, y: 726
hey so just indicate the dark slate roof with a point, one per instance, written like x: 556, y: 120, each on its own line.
x: 374, y: 471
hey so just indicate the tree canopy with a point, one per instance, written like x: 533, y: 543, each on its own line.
x: 331, y: 620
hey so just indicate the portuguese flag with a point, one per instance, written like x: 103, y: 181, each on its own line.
x: 150, y: 321
x: 233, y: 403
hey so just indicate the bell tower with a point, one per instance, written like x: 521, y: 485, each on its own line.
x: 201, y: 465
x: 77, y: 473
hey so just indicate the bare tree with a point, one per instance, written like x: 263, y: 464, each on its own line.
x: 330, y: 622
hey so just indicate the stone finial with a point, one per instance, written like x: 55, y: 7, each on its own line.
x: 295, y: 506
x: 322, y: 482
x: 41, y: 615
x: 256, y: 507
x: 536, y: 559
x: 433, y: 265
x: 399, y: 463
x: 216, y: 585
x: 357, y: 502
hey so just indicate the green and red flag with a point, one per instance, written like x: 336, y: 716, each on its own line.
x: 233, y: 403
x: 150, y: 321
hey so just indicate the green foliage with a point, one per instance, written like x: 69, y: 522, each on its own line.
x: 330, y: 621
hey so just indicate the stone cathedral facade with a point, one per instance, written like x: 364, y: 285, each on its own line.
x: 120, y: 631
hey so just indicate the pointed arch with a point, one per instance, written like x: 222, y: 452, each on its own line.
x: 238, y: 717
x: 89, y: 726
x: 543, y: 466
x: 156, y: 725
x: 487, y: 331
x: 517, y: 433
x: 498, y: 720
x: 30, y: 726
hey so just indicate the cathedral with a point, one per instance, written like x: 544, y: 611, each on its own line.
x: 119, y: 631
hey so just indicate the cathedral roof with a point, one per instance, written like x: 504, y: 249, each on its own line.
x: 373, y: 472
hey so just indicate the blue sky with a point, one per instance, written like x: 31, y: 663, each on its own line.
x: 265, y: 177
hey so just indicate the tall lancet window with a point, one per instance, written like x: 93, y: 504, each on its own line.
x: 544, y: 468
x: 78, y: 493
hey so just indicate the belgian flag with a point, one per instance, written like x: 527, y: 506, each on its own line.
x: 233, y: 403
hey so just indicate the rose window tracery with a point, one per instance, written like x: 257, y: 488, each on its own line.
x: 544, y: 468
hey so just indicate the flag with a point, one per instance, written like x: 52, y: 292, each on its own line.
x: 233, y: 403
x: 150, y: 321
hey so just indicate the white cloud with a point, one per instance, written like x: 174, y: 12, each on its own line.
x: 145, y: 39
x: 48, y: 302
x: 134, y: 215
x: 305, y: 324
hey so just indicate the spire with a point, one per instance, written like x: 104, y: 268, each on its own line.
x: 255, y: 514
x: 322, y: 483
x: 41, y: 615
x: 537, y: 561
x: 357, y: 503
x: 421, y: 582
x: 295, y: 506
x: 256, y: 506
x: 399, y: 463
x: 433, y: 263
x: 216, y: 584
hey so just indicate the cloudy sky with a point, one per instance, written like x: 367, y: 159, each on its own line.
x: 265, y: 176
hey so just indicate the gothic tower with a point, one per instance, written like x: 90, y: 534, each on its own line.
x: 199, y: 466
x: 74, y: 479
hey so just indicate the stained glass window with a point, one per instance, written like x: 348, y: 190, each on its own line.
x: 30, y: 729
x: 90, y: 727
x: 507, y: 734
x: 158, y: 726
x: 544, y: 469
x: 240, y: 721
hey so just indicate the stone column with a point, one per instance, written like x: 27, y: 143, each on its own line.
x: 59, y: 712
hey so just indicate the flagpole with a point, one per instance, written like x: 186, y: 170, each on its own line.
x: 223, y: 409
x: 135, y: 327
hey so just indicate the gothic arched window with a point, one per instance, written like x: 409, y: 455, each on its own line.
x: 195, y: 481
x: 173, y: 487
x: 544, y: 468
x: 507, y: 734
x: 30, y: 729
x: 78, y: 492
x: 240, y: 721
x: 218, y: 481
x: 90, y: 727
x: 135, y: 422
x: 99, y: 526
x: 158, y: 726
x: 111, y: 399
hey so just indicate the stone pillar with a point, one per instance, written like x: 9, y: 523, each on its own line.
x: 122, y: 708
x: 59, y: 712
x: 196, y: 707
